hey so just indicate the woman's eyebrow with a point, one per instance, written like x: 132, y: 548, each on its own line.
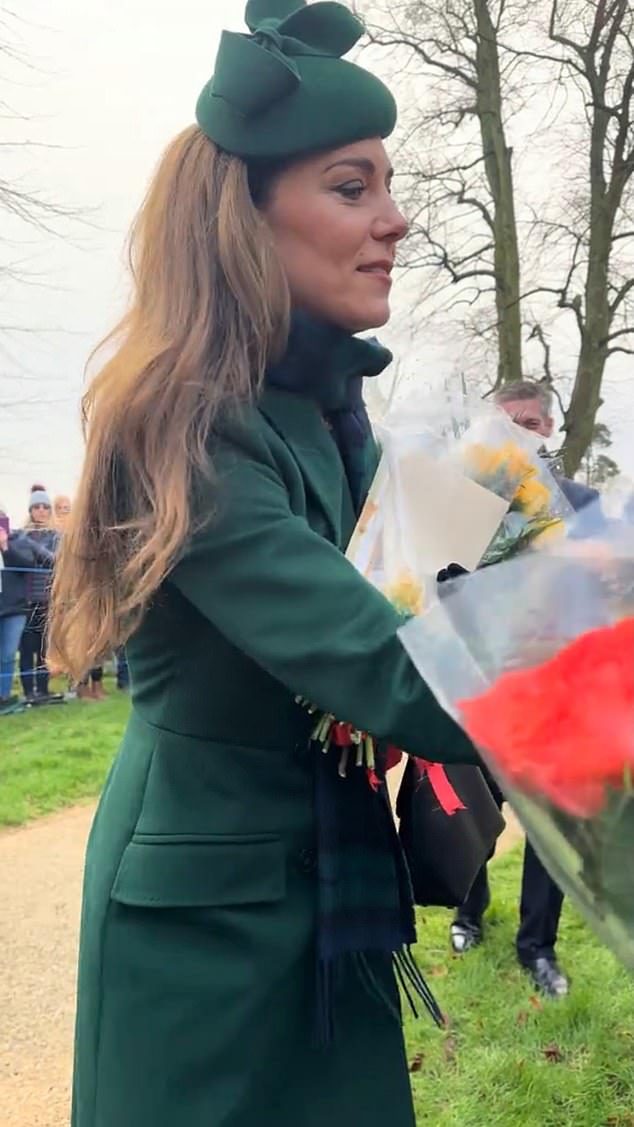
x: 364, y: 164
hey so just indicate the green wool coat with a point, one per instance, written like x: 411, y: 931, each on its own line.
x: 197, y: 967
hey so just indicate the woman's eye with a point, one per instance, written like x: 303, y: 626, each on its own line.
x: 352, y: 190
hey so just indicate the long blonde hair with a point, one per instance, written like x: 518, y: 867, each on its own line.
x: 210, y: 309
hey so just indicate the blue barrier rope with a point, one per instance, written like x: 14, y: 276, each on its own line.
x: 29, y: 570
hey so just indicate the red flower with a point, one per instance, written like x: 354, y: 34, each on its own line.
x: 564, y: 729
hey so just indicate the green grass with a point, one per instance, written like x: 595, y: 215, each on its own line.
x: 56, y: 755
x: 510, y: 1059
x: 507, y: 1059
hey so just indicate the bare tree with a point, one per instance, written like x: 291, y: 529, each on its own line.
x: 462, y: 202
x: 596, y: 38
x: 597, y: 466
x: 472, y: 67
x: 28, y: 215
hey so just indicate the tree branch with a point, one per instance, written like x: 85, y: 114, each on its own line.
x: 537, y: 333
x: 621, y: 295
x: 384, y: 39
x: 617, y: 336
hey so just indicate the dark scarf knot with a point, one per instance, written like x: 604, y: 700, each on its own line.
x: 328, y: 365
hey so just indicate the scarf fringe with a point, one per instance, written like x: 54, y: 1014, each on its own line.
x: 410, y: 979
x: 374, y: 988
x: 410, y: 976
x: 325, y: 1017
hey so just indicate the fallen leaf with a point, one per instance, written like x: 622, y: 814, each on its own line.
x: 449, y: 1048
x: 536, y: 1002
x: 417, y: 1063
x: 553, y: 1053
x: 438, y: 972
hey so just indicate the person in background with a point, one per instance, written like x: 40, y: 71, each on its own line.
x: 34, y: 672
x: 61, y: 512
x: 19, y: 555
x: 530, y: 405
x: 12, y: 605
x: 123, y: 673
x: 91, y: 688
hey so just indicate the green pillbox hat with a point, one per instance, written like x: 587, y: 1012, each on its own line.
x: 285, y: 90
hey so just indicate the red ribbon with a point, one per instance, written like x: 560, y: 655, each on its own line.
x: 342, y: 735
x: 393, y: 757
x: 449, y: 801
x: 373, y: 779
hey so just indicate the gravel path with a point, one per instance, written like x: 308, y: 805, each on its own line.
x: 40, y: 890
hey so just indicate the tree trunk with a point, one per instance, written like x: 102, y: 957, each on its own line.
x: 584, y: 403
x: 499, y: 173
x: 580, y: 419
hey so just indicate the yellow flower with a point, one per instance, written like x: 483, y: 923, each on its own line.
x: 532, y: 497
x: 554, y: 530
x: 406, y: 594
x: 488, y: 461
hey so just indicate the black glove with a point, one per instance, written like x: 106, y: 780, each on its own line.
x: 454, y: 571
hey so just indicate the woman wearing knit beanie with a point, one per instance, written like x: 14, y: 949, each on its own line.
x: 246, y: 904
x: 34, y: 672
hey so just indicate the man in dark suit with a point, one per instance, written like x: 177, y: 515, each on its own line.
x: 530, y: 406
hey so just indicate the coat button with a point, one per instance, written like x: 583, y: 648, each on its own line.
x: 307, y: 860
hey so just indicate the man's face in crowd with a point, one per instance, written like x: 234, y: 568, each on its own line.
x: 530, y: 414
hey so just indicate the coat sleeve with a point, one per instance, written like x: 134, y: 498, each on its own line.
x: 42, y: 555
x: 19, y: 553
x: 291, y: 601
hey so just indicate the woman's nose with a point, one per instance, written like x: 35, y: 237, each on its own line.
x: 391, y: 223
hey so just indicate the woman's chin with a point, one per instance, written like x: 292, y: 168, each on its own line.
x: 370, y: 317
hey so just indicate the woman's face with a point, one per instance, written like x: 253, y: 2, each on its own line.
x: 335, y: 227
x: 40, y: 514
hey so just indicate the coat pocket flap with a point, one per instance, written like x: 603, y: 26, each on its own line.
x: 200, y: 874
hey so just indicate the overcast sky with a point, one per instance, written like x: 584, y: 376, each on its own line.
x: 110, y: 84
x: 114, y: 82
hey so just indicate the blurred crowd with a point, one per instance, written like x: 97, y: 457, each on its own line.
x: 27, y: 559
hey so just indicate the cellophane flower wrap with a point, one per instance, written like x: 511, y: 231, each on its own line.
x: 505, y: 458
x: 422, y: 512
x: 464, y: 438
x: 535, y: 659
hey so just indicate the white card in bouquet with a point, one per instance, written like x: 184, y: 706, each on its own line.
x: 444, y: 516
x: 365, y: 549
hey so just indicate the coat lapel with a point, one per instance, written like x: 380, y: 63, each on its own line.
x: 301, y: 425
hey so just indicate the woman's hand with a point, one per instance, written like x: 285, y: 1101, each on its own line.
x: 4, y: 540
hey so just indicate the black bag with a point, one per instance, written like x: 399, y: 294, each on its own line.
x: 445, y: 851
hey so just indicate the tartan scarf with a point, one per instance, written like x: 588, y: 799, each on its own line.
x: 328, y: 365
x: 365, y: 905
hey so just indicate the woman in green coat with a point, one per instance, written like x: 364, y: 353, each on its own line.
x: 246, y: 911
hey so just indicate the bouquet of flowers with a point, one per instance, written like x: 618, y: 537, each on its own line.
x: 491, y: 450
x: 421, y: 513
x: 458, y: 481
x: 535, y: 659
x: 506, y: 464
